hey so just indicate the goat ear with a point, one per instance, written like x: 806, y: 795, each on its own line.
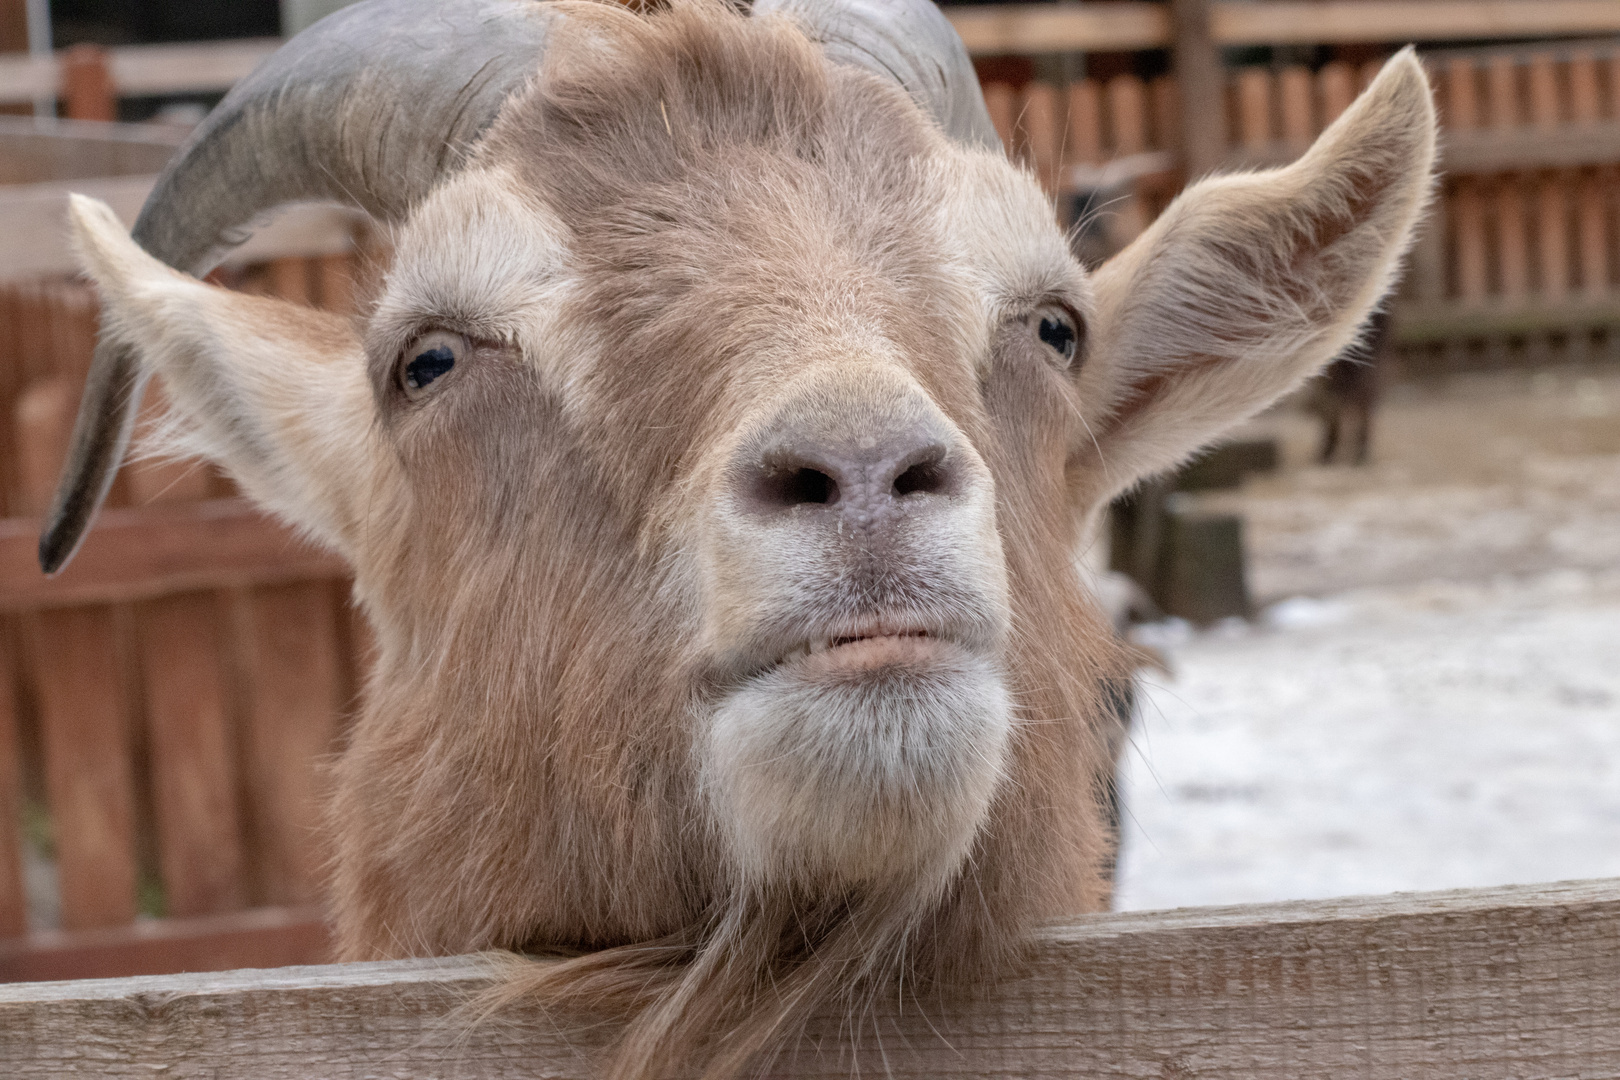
x: 1249, y: 284
x: 274, y: 392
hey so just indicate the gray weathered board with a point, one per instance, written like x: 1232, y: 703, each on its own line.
x: 1518, y: 982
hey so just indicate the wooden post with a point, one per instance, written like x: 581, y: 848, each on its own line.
x: 1085, y: 122
x: 1165, y: 98
x: 87, y: 87
x: 1202, y: 80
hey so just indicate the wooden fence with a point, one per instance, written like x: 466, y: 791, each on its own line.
x: 1519, y: 258
x: 1514, y: 983
x: 165, y: 702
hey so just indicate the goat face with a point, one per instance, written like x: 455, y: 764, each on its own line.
x: 712, y: 466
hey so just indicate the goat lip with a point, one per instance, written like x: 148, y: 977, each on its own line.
x: 865, y: 650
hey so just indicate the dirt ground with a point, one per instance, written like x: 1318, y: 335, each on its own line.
x: 1511, y: 473
x: 1430, y: 697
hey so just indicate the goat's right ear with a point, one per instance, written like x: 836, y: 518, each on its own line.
x: 1249, y: 284
x: 274, y: 392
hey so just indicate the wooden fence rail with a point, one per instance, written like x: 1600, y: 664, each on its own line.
x: 1520, y: 982
x: 1112, y: 27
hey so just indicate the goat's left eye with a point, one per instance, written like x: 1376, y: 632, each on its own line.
x: 1058, y: 330
x: 430, y: 357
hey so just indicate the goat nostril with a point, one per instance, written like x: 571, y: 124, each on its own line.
x: 798, y: 487
x: 923, y: 478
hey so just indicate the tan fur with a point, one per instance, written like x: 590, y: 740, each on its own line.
x: 692, y: 235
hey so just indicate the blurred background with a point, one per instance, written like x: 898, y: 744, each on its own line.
x: 1379, y: 627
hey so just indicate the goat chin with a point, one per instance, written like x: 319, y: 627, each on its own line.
x: 827, y: 780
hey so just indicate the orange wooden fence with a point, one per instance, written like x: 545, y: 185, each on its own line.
x: 1522, y: 244
x: 166, y: 702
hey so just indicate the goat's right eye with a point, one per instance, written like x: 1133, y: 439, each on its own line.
x: 430, y: 357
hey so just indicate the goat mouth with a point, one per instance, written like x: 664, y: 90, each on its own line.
x: 866, y: 650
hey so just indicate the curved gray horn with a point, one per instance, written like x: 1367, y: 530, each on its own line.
x: 911, y: 42
x: 370, y: 106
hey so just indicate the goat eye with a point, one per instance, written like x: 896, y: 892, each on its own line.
x: 1058, y: 330
x: 429, y: 359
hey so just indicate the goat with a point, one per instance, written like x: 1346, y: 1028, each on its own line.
x: 1346, y: 394
x: 712, y: 464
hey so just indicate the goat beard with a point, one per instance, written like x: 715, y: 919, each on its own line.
x: 804, y: 930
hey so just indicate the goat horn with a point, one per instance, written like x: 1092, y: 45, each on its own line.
x: 370, y: 107
x: 909, y: 41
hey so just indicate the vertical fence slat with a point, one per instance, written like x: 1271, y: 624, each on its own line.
x: 1584, y: 95
x: 84, y: 726
x: 1462, y: 95
x: 1468, y: 239
x: 1552, y: 198
x: 1294, y: 93
x: 13, y: 889
x: 87, y: 86
x: 1085, y: 143
x: 1043, y: 132
x: 1002, y: 104
x: 1337, y: 87
x: 1254, y: 108
x: 1593, y: 231
x: 290, y: 657
x: 1127, y: 114
x: 193, y: 769
x: 1165, y: 101
x: 1512, y: 249
x: 189, y: 719
x: 335, y: 284
x: 1542, y: 72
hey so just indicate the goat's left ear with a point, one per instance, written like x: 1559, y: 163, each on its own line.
x: 1249, y: 284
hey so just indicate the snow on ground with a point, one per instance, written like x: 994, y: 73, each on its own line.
x: 1445, y: 711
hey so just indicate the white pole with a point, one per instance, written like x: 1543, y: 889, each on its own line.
x: 39, y: 46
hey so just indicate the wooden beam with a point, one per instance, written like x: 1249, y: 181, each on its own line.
x: 1201, y: 81
x: 1521, y: 981
x: 33, y: 218
x: 1431, y: 321
x: 1275, y: 22
x: 190, y: 68
x: 1039, y: 28
x: 139, y: 554
x: 262, y: 937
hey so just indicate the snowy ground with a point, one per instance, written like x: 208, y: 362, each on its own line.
x: 1439, y: 703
